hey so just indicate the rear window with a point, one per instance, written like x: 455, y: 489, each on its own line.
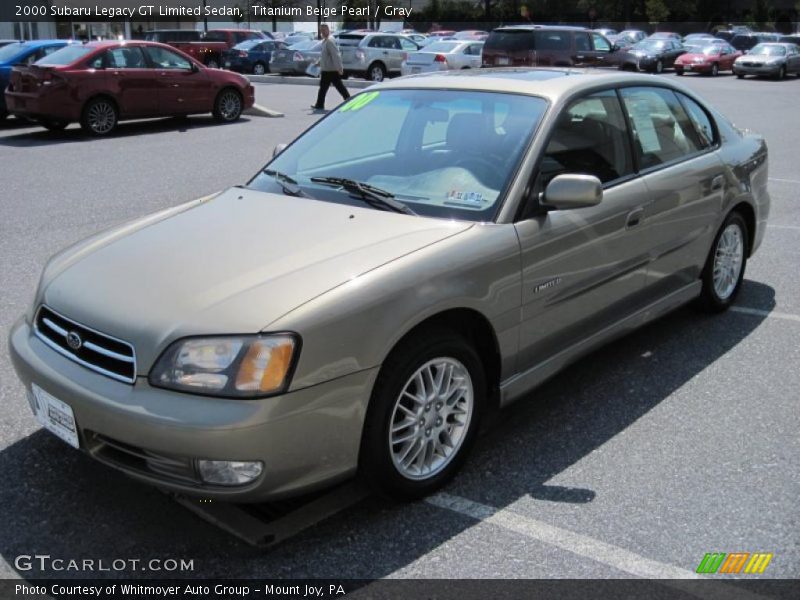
x: 67, y: 55
x: 510, y: 41
x: 444, y: 47
x: 11, y: 50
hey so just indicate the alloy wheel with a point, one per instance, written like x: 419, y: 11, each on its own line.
x: 728, y: 259
x: 431, y: 418
x: 376, y: 73
x: 259, y: 69
x: 230, y: 105
x: 102, y: 117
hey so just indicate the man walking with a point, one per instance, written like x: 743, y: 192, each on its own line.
x: 330, y: 67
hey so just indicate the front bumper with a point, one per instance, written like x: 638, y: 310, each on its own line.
x: 307, y: 439
x: 693, y: 67
x: 770, y: 70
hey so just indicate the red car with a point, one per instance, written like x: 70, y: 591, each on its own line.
x: 101, y: 83
x: 709, y: 59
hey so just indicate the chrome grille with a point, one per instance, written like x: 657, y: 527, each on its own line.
x: 94, y: 350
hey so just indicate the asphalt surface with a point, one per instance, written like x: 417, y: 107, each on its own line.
x: 677, y: 440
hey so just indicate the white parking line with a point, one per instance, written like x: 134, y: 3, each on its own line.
x: 771, y: 226
x: 765, y: 313
x: 783, y: 180
x: 602, y: 552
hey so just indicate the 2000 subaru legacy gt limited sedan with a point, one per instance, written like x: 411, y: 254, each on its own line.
x: 435, y: 246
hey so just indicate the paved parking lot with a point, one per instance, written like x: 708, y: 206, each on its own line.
x: 675, y: 441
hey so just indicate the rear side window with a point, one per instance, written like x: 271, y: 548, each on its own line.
x: 125, y: 58
x: 700, y: 120
x: 552, y: 40
x: 662, y: 130
x: 590, y: 138
x: 510, y: 41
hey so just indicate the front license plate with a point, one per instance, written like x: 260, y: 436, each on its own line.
x: 55, y: 416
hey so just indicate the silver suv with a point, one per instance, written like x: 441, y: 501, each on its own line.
x: 373, y: 56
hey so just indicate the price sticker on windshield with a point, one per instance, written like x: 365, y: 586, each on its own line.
x: 359, y: 101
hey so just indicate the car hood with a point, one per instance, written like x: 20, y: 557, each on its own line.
x: 690, y: 57
x: 232, y: 264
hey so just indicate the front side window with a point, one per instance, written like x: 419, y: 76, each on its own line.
x: 590, y: 138
x: 166, y: 59
x: 662, y: 130
x: 600, y: 43
x: 443, y: 153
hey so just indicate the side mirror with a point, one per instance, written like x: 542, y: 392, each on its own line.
x: 194, y: 68
x: 565, y: 192
x: 278, y: 149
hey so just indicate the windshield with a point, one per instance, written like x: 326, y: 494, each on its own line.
x: 444, y: 47
x: 769, y: 50
x: 306, y: 45
x: 10, y: 51
x: 65, y: 56
x: 247, y: 44
x: 443, y: 153
x: 651, y: 45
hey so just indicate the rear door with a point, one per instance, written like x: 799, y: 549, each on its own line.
x: 132, y: 80
x: 180, y: 88
x: 675, y: 147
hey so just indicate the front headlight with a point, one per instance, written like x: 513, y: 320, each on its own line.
x: 248, y: 366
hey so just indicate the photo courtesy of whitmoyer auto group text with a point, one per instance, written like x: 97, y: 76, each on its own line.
x: 400, y: 299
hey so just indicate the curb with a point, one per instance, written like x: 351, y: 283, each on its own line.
x: 304, y: 80
x: 262, y: 111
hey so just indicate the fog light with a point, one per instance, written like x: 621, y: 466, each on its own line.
x: 229, y: 472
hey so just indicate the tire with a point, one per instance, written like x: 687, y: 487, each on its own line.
x: 212, y: 63
x: 678, y: 72
x: 659, y: 68
x: 3, y: 114
x: 259, y: 69
x: 719, y: 291
x: 381, y: 462
x: 54, y: 125
x: 714, y: 70
x: 228, y: 106
x: 99, y: 117
x: 781, y: 74
x: 739, y: 76
x: 376, y: 72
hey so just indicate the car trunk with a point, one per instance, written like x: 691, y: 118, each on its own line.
x: 423, y: 58
x: 31, y: 79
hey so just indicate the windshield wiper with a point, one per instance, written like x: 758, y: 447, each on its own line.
x: 372, y: 195
x: 289, y: 185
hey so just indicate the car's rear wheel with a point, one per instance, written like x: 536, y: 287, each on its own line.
x: 259, y: 68
x: 100, y: 116
x: 714, y: 70
x: 376, y: 72
x: 724, y: 269
x: 424, y: 414
x: 54, y: 125
x: 228, y: 106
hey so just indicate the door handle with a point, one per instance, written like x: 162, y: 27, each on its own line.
x: 580, y: 57
x: 634, y: 218
x: 717, y: 183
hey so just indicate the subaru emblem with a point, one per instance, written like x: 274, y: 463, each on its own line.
x: 74, y: 340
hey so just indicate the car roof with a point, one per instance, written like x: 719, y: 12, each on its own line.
x: 531, y: 27
x: 39, y: 43
x: 548, y: 82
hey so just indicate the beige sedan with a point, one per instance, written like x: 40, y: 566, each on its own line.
x: 357, y: 307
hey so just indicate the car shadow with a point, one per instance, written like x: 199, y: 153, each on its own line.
x: 62, y: 503
x: 74, y: 134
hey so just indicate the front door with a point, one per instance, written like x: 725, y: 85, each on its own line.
x: 583, y: 269
x: 181, y: 88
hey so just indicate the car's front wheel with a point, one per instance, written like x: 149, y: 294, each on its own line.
x: 659, y: 68
x: 725, y: 265
x: 259, y: 69
x: 228, y: 106
x: 714, y: 70
x: 781, y: 73
x: 424, y: 415
x: 100, y: 117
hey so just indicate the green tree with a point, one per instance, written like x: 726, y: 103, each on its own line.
x: 657, y: 10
